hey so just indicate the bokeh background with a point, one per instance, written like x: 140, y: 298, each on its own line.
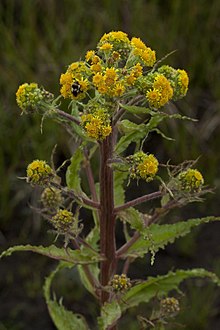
x: 38, y: 39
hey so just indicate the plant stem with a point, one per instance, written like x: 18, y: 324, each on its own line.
x: 138, y: 200
x: 107, y: 215
x: 67, y: 116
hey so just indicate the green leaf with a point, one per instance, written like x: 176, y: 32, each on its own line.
x: 134, y: 136
x: 73, y: 179
x: 133, y: 217
x: 137, y: 110
x: 74, y: 256
x: 157, y: 236
x: 110, y: 313
x: 62, y: 318
x: 94, y: 269
x: 141, y: 131
x: 119, y: 191
x: 77, y: 128
x: 161, y: 285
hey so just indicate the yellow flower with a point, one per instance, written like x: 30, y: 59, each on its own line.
x: 110, y: 76
x: 114, y: 36
x: 118, y: 89
x: 161, y: 93
x: 191, y: 180
x: 96, y: 67
x: 63, y: 221
x: 183, y: 81
x: 106, y: 47
x: 89, y: 55
x: 97, y: 125
x: 143, y: 166
x: 39, y: 172
x: 148, y: 168
x: 138, y: 43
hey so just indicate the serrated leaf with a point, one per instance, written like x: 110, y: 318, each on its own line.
x: 74, y: 256
x: 161, y: 235
x: 62, y: 318
x: 73, y: 179
x: 110, y: 313
x: 161, y: 285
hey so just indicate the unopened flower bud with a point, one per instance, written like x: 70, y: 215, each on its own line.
x: 30, y: 97
x: 51, y: 198
x: 120, y: 283
x: 169, y: 306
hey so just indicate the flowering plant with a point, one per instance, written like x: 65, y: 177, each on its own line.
x: 117, y: 95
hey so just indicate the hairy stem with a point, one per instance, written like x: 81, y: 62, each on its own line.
x: 107, y: 215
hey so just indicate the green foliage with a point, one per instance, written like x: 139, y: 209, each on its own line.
x: 73, y: 179
x: 157, y: 236
x: 74, y: 256
x: 153, y: 287
x: 134, y: 132
x: 110, y: 313
x: 62, y: 318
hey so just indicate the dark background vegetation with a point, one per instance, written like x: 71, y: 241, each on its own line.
x: 38, y: 39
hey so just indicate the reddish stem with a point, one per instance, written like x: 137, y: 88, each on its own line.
x: 107, y: 215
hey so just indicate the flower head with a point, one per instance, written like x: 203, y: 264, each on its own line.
x: 160, y: 93
x: 39, y: 172
x: 178, y: 78
x: 143, y: 166
x: 51, y: 198
x: 30, y: 97
x: 63, y: 220
x: 120, y: 283
x: 169, y: 306
x: 74, y: 82
x: 191, y: 180
x: 97, y: 125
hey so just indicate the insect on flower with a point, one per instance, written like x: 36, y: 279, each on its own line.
x: 76, y: 88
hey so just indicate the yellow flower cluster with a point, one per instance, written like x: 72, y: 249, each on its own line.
x: 120, y: 283
x: 135, y: 73
x: 51, y: 198
x: 63, y: 220
x: 191, y: 180
x: 146, y: 54
x: 160, y: 93
x: 178, y: 78
x: 114, y: 36
x: 183, y: 82
x: 74, y: 82
x: 29, y: 96
x: 109, y: 83
x: 39, y: 172
x: 97, y: 125
x: 143, y: 166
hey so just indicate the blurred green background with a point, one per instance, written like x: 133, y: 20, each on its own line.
x: 38, y: 39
